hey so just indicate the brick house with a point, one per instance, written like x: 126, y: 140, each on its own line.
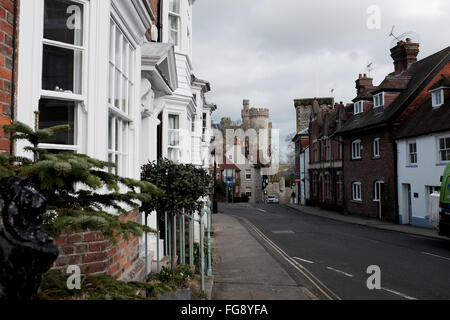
x: 325, y: 153
x: 9, y: 13
x: 369, y: 147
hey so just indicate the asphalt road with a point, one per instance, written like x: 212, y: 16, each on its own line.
x: 338, y: 254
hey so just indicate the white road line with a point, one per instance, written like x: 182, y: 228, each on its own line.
x: 304, y: 260
x: 436, y: 256
x: 295, y: 264
x: 341, y: 272
x: 261, y: 210
x: 399, y: 294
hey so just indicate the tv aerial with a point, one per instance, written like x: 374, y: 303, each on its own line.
x: 414, y: 36
x: 369, y: 68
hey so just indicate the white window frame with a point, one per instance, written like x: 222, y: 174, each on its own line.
x: 412, y: 154
x: 177, y: 16
x: 248, y: 193
x: 358, y: 107
x: 440, y: 150
x: 357, y: 191
x: 437, y: 97
x: 376, y: 148
x: 378, y: 100
x: 80, y: 100
x: 356, y: 150
x: 248, y: 172
x: 176, y: 147
x: 377, y: 190
x: 120, y: 116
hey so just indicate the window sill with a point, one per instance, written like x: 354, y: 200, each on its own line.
x: 376, y: 158
x: 442, y: 164
x: 356, y: 201
x: 356, y: 159
x: 412, y: 166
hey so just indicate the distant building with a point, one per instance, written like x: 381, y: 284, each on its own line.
x: 244, y: 152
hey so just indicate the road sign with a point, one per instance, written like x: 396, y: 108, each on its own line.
x: 297, y: 180
x: 229, y: 182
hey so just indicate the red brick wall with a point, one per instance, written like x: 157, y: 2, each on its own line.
x: 7, y: 79
x: 367, y: 171
x: 95, y: 255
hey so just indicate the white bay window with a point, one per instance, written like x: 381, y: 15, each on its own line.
x: 174, y: 138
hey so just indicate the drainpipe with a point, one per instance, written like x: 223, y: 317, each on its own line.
x: 13, y: 82
x: 160, y: 25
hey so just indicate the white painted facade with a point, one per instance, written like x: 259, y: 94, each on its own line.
x: 417, y: 181
x: 119, y: 89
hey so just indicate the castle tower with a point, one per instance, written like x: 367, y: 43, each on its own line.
x: 246, y: 114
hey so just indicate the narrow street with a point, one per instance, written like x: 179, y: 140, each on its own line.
x: 336, y: 255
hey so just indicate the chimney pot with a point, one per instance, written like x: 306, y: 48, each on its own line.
x: 404, y: 54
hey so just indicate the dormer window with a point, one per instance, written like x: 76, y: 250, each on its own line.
x: 437, y: 98
x: 378, y: 100
x: 359, y: 107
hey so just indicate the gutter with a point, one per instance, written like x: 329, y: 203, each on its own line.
x: 13, y: 78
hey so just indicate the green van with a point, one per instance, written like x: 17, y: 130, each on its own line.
x: 444, y: 204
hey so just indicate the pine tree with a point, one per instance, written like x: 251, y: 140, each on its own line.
x: 79, y: 190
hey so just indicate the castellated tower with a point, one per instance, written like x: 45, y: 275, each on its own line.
x: 246, y: 114
x: 259, y: 118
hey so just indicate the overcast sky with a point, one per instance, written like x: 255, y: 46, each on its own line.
x: 274, y: 51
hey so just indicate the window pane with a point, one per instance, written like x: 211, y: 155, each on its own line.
x: 117, y: 90
x: 124, y: 103
x: 61, y: 69
x: 54, y: 113
x: 118, y: 49
x: 110, y: 84
x: 125, y: 58
x: 63, y: 21
x: 112, y: 36
x: 174, y: 6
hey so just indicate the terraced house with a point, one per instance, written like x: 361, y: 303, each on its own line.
x: 120, y: 74
x: 380, y: 113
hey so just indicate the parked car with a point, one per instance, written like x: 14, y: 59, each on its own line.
x: 444, y: 204
x: 273, y: 199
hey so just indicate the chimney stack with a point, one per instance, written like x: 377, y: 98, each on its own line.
x: 404, y: 54
x: 363, y: 84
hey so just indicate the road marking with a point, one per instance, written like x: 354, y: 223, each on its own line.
x: 341, y: 272
x: 304, y: 260
x: 436, y: 256
x: 261, y: 210
x: 283, y: 232
x: 399, y: 294
x: 300, y: 268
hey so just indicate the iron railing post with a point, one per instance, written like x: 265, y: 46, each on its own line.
x: 202, y: 251
x: 157, y: 244
x: 191, y: 241
x: 183, y: 239
x: 208, y: 213
x: 175, y: 238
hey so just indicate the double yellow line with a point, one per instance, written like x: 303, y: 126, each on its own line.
x: 327, y: 292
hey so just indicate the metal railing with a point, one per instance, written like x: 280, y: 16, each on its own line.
x: 171, y: 226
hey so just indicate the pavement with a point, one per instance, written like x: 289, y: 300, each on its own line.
x: 244, y: 270
x: 408, y: 229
